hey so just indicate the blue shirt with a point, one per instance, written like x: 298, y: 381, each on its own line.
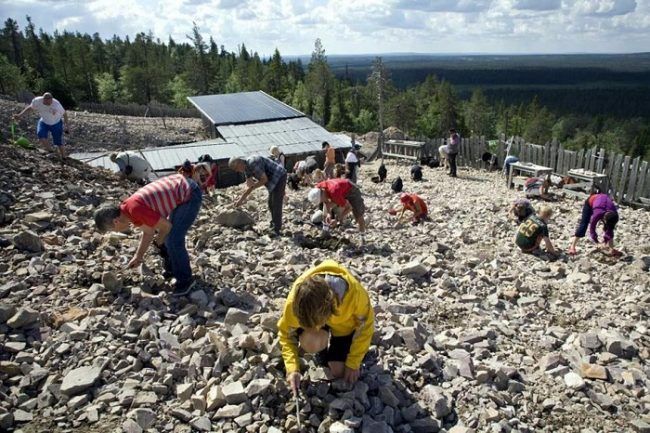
x: 257, y: 166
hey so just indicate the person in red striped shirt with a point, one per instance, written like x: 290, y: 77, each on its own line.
x: 164, y: 211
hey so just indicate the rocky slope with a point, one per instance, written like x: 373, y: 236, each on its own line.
x: 471, y: 335
x: 93, y: 131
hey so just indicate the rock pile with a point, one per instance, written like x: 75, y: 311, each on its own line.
x: 94, y: 131
x: 470, y: 334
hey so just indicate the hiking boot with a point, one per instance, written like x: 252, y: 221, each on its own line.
x: 182, y: 289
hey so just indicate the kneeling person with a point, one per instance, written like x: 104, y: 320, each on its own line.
x: 533, y: 230
x: 168, y: 206
x: 329, y: 312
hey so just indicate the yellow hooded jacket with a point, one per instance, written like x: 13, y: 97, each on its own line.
x: 353, y: 314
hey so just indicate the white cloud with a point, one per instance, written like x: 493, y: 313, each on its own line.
x: 606, y: 8
x: 445, y: 5
x: 361, y: 26
x: 538, y: 5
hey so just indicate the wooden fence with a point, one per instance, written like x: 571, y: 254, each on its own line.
x: 153, y: 109
x: 629, y: 178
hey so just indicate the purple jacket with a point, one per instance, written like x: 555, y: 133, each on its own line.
x: 600, y: 204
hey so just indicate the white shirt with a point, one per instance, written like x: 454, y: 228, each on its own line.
x: 351, y: 158
x: 50, y: 114
x: 141, y: 168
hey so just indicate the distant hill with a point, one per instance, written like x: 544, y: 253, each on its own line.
x: 564, y: 82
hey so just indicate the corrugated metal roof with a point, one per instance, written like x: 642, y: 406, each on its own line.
x: 244, y: 107
x: 165, y: 158
x: 292, y: 136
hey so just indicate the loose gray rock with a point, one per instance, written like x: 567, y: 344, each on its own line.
x: 28, y: 241
x: 23, y: 318
x: 236, y: 316
x: 234, y: 392
x: 79, y: 380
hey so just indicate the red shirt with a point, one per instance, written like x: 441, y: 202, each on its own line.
x: 336, y: 189
x: 409, y: 201
x: 156, y: 200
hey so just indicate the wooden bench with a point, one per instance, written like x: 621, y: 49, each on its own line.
x: 529, y: 169
x: 397, y: 155
x: 587, y: 181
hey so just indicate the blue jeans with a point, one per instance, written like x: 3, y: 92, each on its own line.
x: 585, y: 218
x: 506, y: 164
x: 182, y: 219
x: 42, y: 129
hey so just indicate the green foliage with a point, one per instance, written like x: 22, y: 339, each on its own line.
x: 11, y: 79
x: 479, y: 116
x: 539, y: 123
x: 366, y: 121
x: 179, y: 91
x: 108, y: 88
x: 417, y: 98
x: 318, y: 84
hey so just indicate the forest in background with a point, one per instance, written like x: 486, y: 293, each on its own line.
x: 582, y: 106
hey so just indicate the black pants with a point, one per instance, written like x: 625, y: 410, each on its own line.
x: 452, y: 163
x: 276, y: 199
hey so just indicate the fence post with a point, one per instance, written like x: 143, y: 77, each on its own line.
x: 585, y: 162
x: 616, y: 173
x: 633, y: 176
x: 640, y: 190
x: 560, y: 160
x: 621, y: 184
x: 580, y: 158
x: 600, y: 162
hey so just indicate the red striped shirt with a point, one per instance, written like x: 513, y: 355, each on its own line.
x: 157, y: 200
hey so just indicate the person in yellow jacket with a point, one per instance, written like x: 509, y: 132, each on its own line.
x: 327, y: 311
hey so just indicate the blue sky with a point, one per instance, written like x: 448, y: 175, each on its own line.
x: 362, y: 26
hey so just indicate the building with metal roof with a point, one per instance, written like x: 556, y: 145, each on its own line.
x: 241, y: 125
x: 255, y: 121
x: 165, y: 160
x: 240, y: 108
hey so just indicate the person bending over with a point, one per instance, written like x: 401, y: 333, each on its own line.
x: 341, y: 193
x: 597, y: 208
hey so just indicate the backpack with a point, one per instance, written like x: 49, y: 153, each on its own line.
x: 382, y: 172
x: 416, y: 172
x: 397, y: 185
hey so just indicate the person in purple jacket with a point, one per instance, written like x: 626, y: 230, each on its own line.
x: 598, y: 207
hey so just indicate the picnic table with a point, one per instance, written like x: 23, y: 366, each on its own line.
x: 587, y: 180
x: 528, y: 169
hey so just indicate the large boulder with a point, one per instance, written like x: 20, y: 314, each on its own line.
x: 236, y: 218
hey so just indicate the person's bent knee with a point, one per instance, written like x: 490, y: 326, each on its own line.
x: 314, y: 341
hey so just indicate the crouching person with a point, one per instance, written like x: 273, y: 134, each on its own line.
x: 414, y: 204
x: 164, y: 211
x: 534, y: 230
x: 521, y: 209
x: 327, y: 312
